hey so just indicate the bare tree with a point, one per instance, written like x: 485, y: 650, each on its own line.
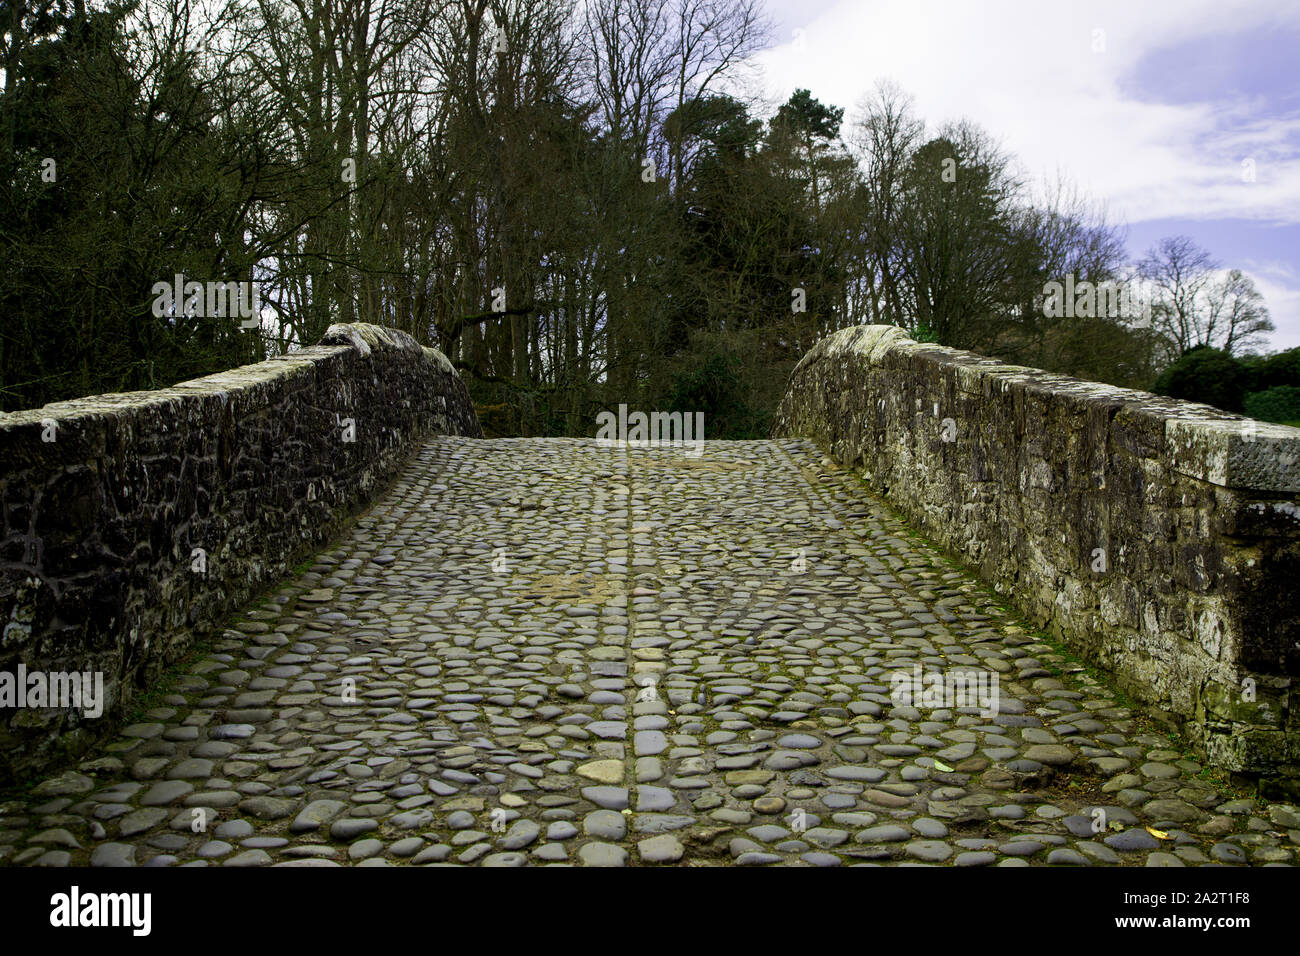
x: 712, y: 39
x: 629, y: 47
x: 885, y: 133
x: 1195, y: 303
x: 1235, y: 315
x: 1179, y: 272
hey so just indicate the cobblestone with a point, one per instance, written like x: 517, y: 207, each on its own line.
x: 553, y: 651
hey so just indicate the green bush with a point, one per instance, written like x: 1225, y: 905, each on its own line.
x: 1203, y: 374
x: 1281, y: 403
x: 1280, y: 369
x: 712, y: 386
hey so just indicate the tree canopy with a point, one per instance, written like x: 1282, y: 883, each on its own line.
x: 579, y: 204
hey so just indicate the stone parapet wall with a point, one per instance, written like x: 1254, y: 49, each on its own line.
x: 1158, y: 538
x: 134, y: 522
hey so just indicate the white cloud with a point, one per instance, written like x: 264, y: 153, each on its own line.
x: 1280, y: 286
x: 1027, y: 72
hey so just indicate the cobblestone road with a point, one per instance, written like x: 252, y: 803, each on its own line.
x: 542, y: 651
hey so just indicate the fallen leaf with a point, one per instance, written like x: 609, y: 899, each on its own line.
x: 942, y: 766
x: 1158, y: 834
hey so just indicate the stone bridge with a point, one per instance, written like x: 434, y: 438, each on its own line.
x: 335, y: 626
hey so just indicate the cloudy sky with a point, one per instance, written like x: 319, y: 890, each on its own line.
x: 1150, y: 106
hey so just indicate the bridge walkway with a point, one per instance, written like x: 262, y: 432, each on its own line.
x: 536, y: 651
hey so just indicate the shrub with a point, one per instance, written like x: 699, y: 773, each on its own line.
x: 1281, y: 404
x: 1280, y: 369
x: 1203, y: 374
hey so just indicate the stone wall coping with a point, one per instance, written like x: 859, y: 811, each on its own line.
x: 1222, y: 448
x: 338, y: 340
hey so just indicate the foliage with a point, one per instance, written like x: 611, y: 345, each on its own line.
x: 577, y: 203
x: 1281, y: 404
x: 1282, y: 368
x: 1208, y: 375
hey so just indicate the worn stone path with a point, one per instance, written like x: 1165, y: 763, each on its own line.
x: 543, y: 651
